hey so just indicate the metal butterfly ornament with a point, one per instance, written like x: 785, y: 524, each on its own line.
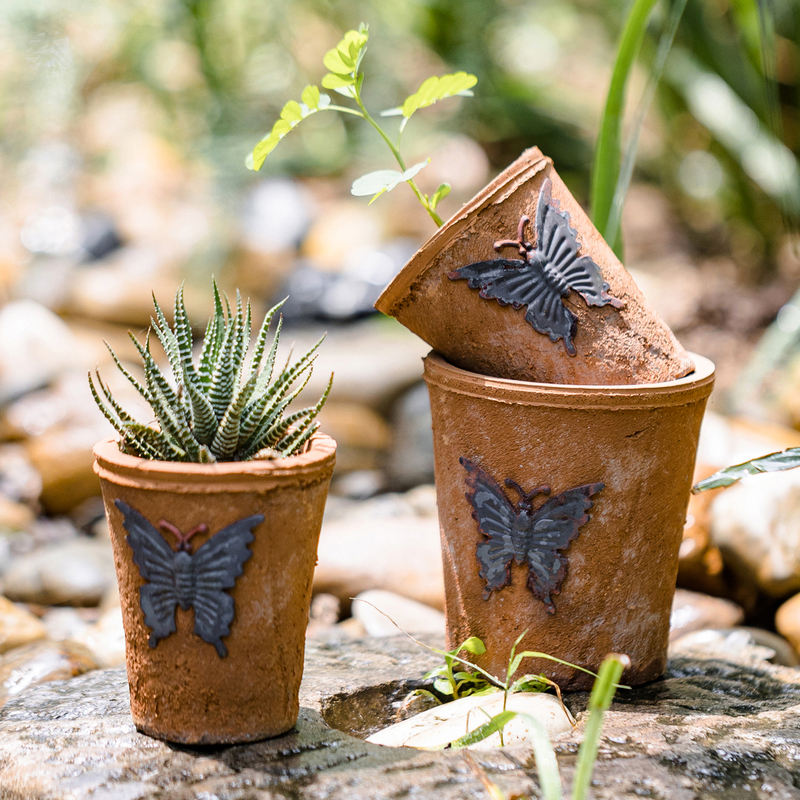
x: 523, y: 535
x: 179, y: 578
x: 549, y: 271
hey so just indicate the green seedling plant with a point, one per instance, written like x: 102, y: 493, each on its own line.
x: 346, y: 78
x: 603, y: 691
x: 217, y: 409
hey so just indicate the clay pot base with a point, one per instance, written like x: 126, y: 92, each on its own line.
x: 181, y: 690
x: 628, y: 345
x: 639, y: 441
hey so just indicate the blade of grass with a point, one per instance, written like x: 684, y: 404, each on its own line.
x: 605, y: 172
x: 602, y: 694
x: 613, y: 233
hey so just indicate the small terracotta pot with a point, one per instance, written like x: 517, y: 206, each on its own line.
x: 631, y: 344
x: 181, y: 689
x: 639, y: 441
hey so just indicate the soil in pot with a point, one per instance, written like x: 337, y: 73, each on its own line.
x: 617, y: 460
x: 620, y: 341
x: 186, y: 688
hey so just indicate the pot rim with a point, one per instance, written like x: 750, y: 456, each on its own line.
x: 310, y: 467
x: 680, y: 391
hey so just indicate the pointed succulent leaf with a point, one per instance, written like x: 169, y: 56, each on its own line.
x: 168, y: 340
x: 204, y: 420
x: 212, y: 342
x: 136, y: 384
x: 261, y: 340
x: 257, y: 436
x: 183, y: 335
x: 145, y: 437
x: 222, y: 377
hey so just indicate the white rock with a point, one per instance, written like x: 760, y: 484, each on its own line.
x: 37, y: 346
x: 106, y: 639
x: 756, y: 525
x: 75, y: 572
x: 445, y: 723
x: 378, y: 610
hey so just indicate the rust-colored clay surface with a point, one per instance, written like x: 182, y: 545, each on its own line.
x: 640, y: 441
x: 181, y: 690
x: 614, y: 346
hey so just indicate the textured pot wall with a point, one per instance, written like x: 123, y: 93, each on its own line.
x: 639, y: 441
x: 181, y: 690
x: 629, y: 345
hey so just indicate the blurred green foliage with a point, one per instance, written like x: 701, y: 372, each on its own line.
x: 220, y: 71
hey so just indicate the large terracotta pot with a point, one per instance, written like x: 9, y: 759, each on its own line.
x: 186, y: 689
x: 618, y: 571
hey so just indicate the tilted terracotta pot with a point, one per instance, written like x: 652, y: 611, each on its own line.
x: 618, y: 571
x: 631, y: 344
x: 182, y: 690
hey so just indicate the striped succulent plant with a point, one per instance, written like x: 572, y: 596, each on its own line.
x: 217, y: 409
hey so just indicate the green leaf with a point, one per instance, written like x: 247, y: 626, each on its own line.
x: 529, y: 683
x: 443, y: 686
x: 291, y: 115
x: 292, y: 112
x: 434, y: 89
x: 472, y: 645
x: 440, y: 194
x: 335, y: 81
x: 310, y: 97
x: 384, y: 180
x: 774, y: 462
x: 494, y: 725
x: 337, y: 62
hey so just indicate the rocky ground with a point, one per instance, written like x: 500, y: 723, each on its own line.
x: 718, y: 724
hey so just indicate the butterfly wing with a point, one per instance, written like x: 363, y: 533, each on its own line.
x: 557, y: 243
x: 217, y: 564
x: 520, y: 283
x: 495, y: 516
x: 156, y: 562
x: 554, y: 527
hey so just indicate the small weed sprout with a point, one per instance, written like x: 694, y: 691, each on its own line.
x: 346, y: 77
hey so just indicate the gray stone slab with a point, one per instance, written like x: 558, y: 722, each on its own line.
x: 708, y: 729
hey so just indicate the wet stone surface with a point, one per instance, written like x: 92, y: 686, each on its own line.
x: 709, y: 729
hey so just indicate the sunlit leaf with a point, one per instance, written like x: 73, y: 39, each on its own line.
x: 383, y: 180
x: 440, y: 194
x: 337, y: 62
x: 291, y: 114
x: 774, y: 462
x: 473, y: 644
x: 434, y: 89
x: 311, y: 97
x: 335, y: 81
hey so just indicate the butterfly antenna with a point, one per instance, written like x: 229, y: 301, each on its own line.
x: 524, y: 246
x: 183, y: 539
x: 526, y: 498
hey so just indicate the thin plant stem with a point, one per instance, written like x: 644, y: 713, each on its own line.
x: 420, y: 196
